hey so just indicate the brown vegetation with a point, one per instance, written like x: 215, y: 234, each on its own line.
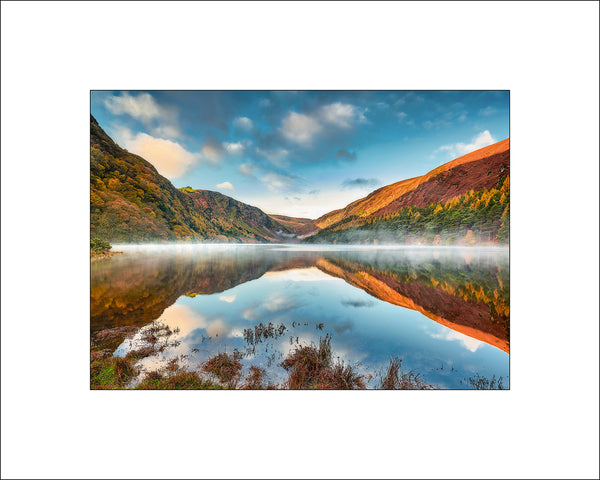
x: 131, y: 202
x: 261, y: 331
x: 442, y: 182
x: 312, y: 367
x: 255, y: 380
x: 174, y: 377
x: 309, y: 367
x: 225, y: 367
x: 483, y: 383
x: 395, y: 379
x: 111, y: 373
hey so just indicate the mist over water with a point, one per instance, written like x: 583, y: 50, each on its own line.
x: 443, y: 310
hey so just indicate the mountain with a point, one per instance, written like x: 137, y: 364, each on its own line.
x: 131, y: 202
x: 469, y: 192
x: 301, y: 227
x: 442, y: 183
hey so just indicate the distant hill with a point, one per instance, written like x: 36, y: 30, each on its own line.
x: 300, y: 226
x: 131, y: 202
x: 417, y: 210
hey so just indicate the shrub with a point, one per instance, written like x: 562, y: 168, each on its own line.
x: 395, y: 379
x: 312, y: 367
x: 99, y: 246
x: 225, y: 367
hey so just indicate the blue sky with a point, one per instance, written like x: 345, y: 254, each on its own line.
x: 301, y: 153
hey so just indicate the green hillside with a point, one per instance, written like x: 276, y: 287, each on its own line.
x: 131, y: 202
x: 474, y: 217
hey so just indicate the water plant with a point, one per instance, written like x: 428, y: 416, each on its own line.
x: 312, y: 367
x: 395, y: 379
x: 225, y: 367
x: 482, y: 383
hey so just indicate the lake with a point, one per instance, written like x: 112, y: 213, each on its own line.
x: 444, y: 311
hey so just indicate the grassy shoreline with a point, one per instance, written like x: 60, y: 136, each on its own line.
x: 102, y: 255
x: 309, y: 367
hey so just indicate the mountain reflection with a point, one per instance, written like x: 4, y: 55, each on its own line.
x: 464, y: 290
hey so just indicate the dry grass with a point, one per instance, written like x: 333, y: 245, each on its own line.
x: 224, y: 367
x: 140, y: 353
x: 254, y: 381
x: 111, y: 373
x: 343, y: 377
x: 174, y: 377
x: 391, y: 379
x: 308, y: 367
x: 261, y: 332
x: 156, y: 331
x: 306, y: 364
x: 395, y: 379
x: 312, y: 367
x: 483, y: 383
x: 178, y: 379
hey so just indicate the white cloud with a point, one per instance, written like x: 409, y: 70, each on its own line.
x: 228, y: 298
x: 184, y: 318
x: 166, y: 131
x: 251, y: 313
x: 276, y: 156
x: 468, y: 343
x: 226, y: 186
x: 161, y: 121
x: 459, y: 149
x: 300, y: 128
x: 142, y: 107
x: 279, y: 301
x: 342, y: 115
x: 234, y: 148
x: 311, y: 206
x: 248, y: 169
x: 487, y: 111
x: 277, y: 182
x: 243, y: 123
x: 401, y: 116
x: 169, y: 158
x: 310, y: 274
x: 211, y: 152
x: 217, y: 327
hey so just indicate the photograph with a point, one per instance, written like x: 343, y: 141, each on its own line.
x: 314, y: 240
x: 302, y: 257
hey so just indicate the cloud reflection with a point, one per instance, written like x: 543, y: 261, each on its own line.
x: 311, y: 274
x: 228, y: 298
x: 468, y: 342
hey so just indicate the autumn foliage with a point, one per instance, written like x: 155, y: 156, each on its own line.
x: 131, y: 202
x: 474, y: 217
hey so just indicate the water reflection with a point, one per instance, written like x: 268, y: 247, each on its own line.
x: 212, y: 295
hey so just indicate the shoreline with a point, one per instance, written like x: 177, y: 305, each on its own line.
x: 309, y: 367
x: 103, y: 255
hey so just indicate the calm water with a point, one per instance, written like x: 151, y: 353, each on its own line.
x: 443, y: 311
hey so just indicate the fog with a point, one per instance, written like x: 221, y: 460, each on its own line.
x: 180, y: 246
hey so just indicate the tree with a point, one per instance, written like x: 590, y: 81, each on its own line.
x: 99, y: 246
